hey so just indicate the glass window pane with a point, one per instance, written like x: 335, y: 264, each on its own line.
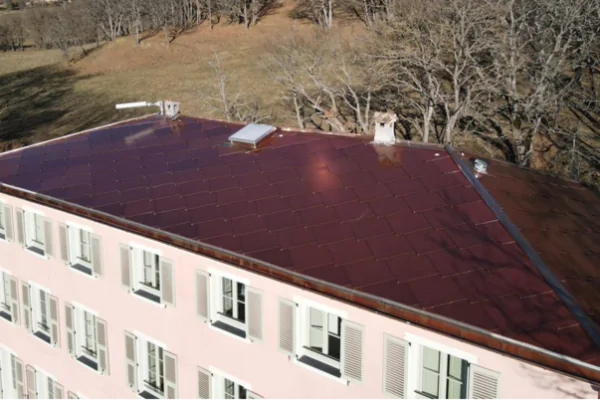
x: 334, y: 324
x: 334, y: 346
x: 316, y: 338
x: 430, y: 383
x: 243, y: 394
x: 455, y: 390
x: 229, y: 389
x: 431, y: 359
x: 241, y: 292
x: 456, y: 366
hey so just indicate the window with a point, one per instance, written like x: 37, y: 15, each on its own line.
x: 233, y: 303
x: 40, y: 313
x: 2, y: 222
x: 443, y: 376
x: 147, y: 274
x: 11, y: 375
x: 321, y: 338
x: 151, y: 370
x: 233, y: 390
x: 86, y: 337
x: 35, y: 232
x: 41, y: 385
x: 80, y: 256
x: 8, y: 297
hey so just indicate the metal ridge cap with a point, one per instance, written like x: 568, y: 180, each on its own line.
x: 421, y: 317
x: 567, y: 298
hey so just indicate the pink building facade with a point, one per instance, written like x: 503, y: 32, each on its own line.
x: 76, y: 324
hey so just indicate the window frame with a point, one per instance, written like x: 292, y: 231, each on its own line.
x: 36, y: 308
x: 2, y: 222
x: 143, y: 370
x: 75, y: 256
x: 34, y: 246
x: 414, y: 375
x: 5, y: 296
x: 218, y: 379
x: 218, y: 318
x: 139, y: 285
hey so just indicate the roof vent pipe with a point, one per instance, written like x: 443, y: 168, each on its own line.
x: 480, y: 166
x: 384, y: 127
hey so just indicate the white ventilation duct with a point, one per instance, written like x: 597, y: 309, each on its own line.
x: 384, y: 127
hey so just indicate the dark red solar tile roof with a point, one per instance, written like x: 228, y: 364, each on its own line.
x: 401, y: 223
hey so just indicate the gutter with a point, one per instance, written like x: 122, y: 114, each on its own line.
x: 458, y: 330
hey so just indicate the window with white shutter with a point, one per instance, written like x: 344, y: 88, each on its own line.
x: 483, y: 383
x: 43, y: 385
x: 233, y: 306
x: 320, y: 338
x: 10, y: 375
x: 80, y: 249
x: 6, y: 223
x: 154, y: 374
x: 202, y: 295
x: 395, y: 365
x: 148, y: 275
x: 18, y: 376
x: 43, y: 313
x: 87, y: 339
x: 32, y: 392
x: 442, y: 372
x: 204, y: 383
x: 9, y: 297
x: 225, y: 386
x: 38, y: 236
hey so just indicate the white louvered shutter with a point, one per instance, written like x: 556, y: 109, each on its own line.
x: 54, y: 332
x: 96, y: 246
x: 287, y: 326
x: 26, y: 299
x: 395, y: 364
x: 70, y: 328
x: 352, y: 357
x: 125, y: 255
x: 18, y: 378
x: 102, y: 345
x: 204, y: 383
x: 483, y: 383
x: 63, y: 243
x: 20, y: 226
x: 59, y: 391
x: 131, y: 360
x: 71, y: 395
x: 252, y: 395
x: 166, y: 282
x: 48, y: 238
x: 14, y: 300
x: 31, y: 382
x: 202, y: 295
x: 8, y: 223
x: 255, y: 314
x: 170, y: 375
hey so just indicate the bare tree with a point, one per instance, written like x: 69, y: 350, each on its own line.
x: 233, y: 106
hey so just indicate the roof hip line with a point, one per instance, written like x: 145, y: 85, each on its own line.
x: 571, y: 303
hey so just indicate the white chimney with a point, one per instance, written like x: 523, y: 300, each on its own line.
x: 384, y: 127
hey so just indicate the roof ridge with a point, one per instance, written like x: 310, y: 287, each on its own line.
x: 551, y: 279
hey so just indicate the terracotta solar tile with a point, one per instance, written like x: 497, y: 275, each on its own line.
x: 216, y: 171
x: 349, y: 250
x: 436, y: 182
x: 367, y: 272
x: 199, y: 199
x: 474, y: 314
x: 310, y: 256
x: 429, y: 240
x: 260, y: 192
x: 495, y: 232
x: 209, y: 229
x: 388, y: 174
x: 398, y: 292
x: 492, y: 256
x: 445, y: 217
x: 329, y: 273
x: 332, y: 232
x: 405, y: 186
x: 248, y: 224
x: 115, y: 208
x: 227, y: 242
x: 231, y: 195
x: 406, y: 222
x: 353, y: 211
x: 337, y: 196
x: 173, y: 217
x: 371, y: 191
x: 169, y: 203
x: 271, y: 205
x: 416, y: 169
x: 478, y: 213
x: 435, y: 291
x: 356, y: 179
x: 365, y: 228
x: 388, y: 246
x: 410, y: 267
x: 424, y: 201
x: 296, y: 236
x: 279, y: 257
x: 459, y: 195
x: 292, y: 187
x: 148, y: 219
x: 388, y: 205
x: 205, y: 213
x: 318, y: 215
x: 304, y: 200
x: 282, y: 220
x: 281, y: 175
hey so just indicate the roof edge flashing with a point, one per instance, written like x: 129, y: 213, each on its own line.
x: 252, y: 134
